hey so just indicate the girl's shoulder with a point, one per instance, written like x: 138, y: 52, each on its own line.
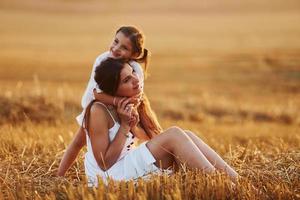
x: 134, y: 63
x: 136, y: 66
x: 101, y: 57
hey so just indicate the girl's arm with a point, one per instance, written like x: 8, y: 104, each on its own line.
x: 71, y: 153
x: 114, y: 100
x: 106, y: 98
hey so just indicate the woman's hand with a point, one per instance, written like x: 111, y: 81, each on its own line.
x: 135, y: 127
x: 124, y: 110
x: 135, y: 119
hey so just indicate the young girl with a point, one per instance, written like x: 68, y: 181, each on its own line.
x: 110, y: 135
x: 128, y: 44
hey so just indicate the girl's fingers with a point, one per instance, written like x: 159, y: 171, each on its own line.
x: 136, y: 98
x: 136, y: 101
x: 139, y: 95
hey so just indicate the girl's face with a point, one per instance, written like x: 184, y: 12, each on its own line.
x: 129, y: 82
x: 121, y: 47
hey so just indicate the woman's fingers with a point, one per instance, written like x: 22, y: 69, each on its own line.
x: 127, y: 112
x: 129, y: 109
x: 134, y: 119
x: 124, y: 103
x: 125, y: 108
x: 120, y: 103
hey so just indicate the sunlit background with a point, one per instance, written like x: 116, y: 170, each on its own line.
x: 228, y: 70
x: 237, y: 52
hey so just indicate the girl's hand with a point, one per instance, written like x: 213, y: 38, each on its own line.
x: 124, y: 110
x: 134, y: 120
x: 136, y: 99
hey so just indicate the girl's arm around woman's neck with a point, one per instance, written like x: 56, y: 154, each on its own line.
x: 103, y: 97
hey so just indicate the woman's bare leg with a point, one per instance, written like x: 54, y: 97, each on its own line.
x: 212, y: 156
x: 72, y: 151
x: 174, y: 145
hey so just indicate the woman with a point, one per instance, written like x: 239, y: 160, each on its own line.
x: 128, y: 44
x: 110, y: 134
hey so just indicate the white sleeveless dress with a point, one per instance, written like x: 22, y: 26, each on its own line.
x: 132, y: 163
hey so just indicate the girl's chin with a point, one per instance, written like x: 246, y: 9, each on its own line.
x: 111, y: 55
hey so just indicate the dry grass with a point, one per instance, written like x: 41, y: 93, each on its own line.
x: 30, y: 154
x: 264, y: 152
x: 227, y: 71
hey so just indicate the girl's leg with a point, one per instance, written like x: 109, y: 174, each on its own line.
x: 174, y: 145
x: 212, y: 156
x: 72, y: 151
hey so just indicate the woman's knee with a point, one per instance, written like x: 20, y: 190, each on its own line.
x: 176, y: 133
x: 193, y: 135
x: 174, y: 129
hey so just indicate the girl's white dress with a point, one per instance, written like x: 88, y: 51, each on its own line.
x: 132, y: 163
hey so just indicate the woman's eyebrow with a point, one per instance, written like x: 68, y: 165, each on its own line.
x: 128, y: 76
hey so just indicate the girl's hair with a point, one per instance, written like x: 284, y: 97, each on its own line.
x: 137, y: 40
x: 107, y: 76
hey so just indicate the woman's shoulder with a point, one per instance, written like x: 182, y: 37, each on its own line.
x: 99, y: 111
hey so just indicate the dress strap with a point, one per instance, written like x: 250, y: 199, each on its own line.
x: 102, y: 104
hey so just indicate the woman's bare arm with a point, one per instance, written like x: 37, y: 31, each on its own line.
x: 106, y: 153
x: 140, y: 133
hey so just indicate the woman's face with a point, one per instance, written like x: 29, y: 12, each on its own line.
x: 121, y: 47
x: 129, y: 82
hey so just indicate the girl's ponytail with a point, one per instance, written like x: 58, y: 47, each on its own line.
x: 144, y: 59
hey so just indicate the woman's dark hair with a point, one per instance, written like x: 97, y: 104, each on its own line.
x: 137, y: 39
x: 107, y: 76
